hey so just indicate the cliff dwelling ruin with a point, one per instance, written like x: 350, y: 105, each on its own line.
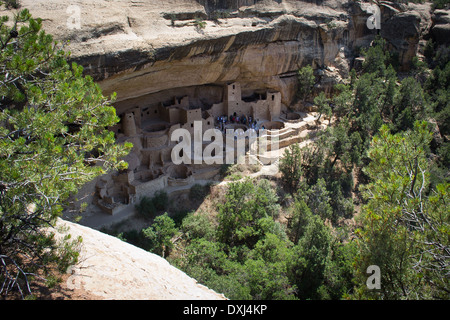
x: 150, y: 126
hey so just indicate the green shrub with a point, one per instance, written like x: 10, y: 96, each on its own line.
x: 224, y: 169
x: 196, y: 226
x: 149, y: 207
x: 199, y: 24
x: 306, y: 80
x: 160, y: 234
x: 146, y: 207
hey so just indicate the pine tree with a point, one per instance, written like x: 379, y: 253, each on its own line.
x: 53, y: 139
x: 405, y: 226
x: 290, y: 168
x: 306, y: 82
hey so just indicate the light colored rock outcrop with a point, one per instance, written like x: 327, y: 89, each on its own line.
x: 112, y: 269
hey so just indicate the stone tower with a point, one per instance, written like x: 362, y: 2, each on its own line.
x: 129, y: 124
x: 232, y: 92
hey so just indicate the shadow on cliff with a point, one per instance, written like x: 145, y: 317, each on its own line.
x: 214, y: 5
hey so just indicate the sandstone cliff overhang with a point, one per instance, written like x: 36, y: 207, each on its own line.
x: 142, y: 47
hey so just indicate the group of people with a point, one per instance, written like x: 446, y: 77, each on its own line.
x: 223, y: 120
x: 242, y: 119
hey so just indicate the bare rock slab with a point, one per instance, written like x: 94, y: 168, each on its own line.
x: 115, y: 270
